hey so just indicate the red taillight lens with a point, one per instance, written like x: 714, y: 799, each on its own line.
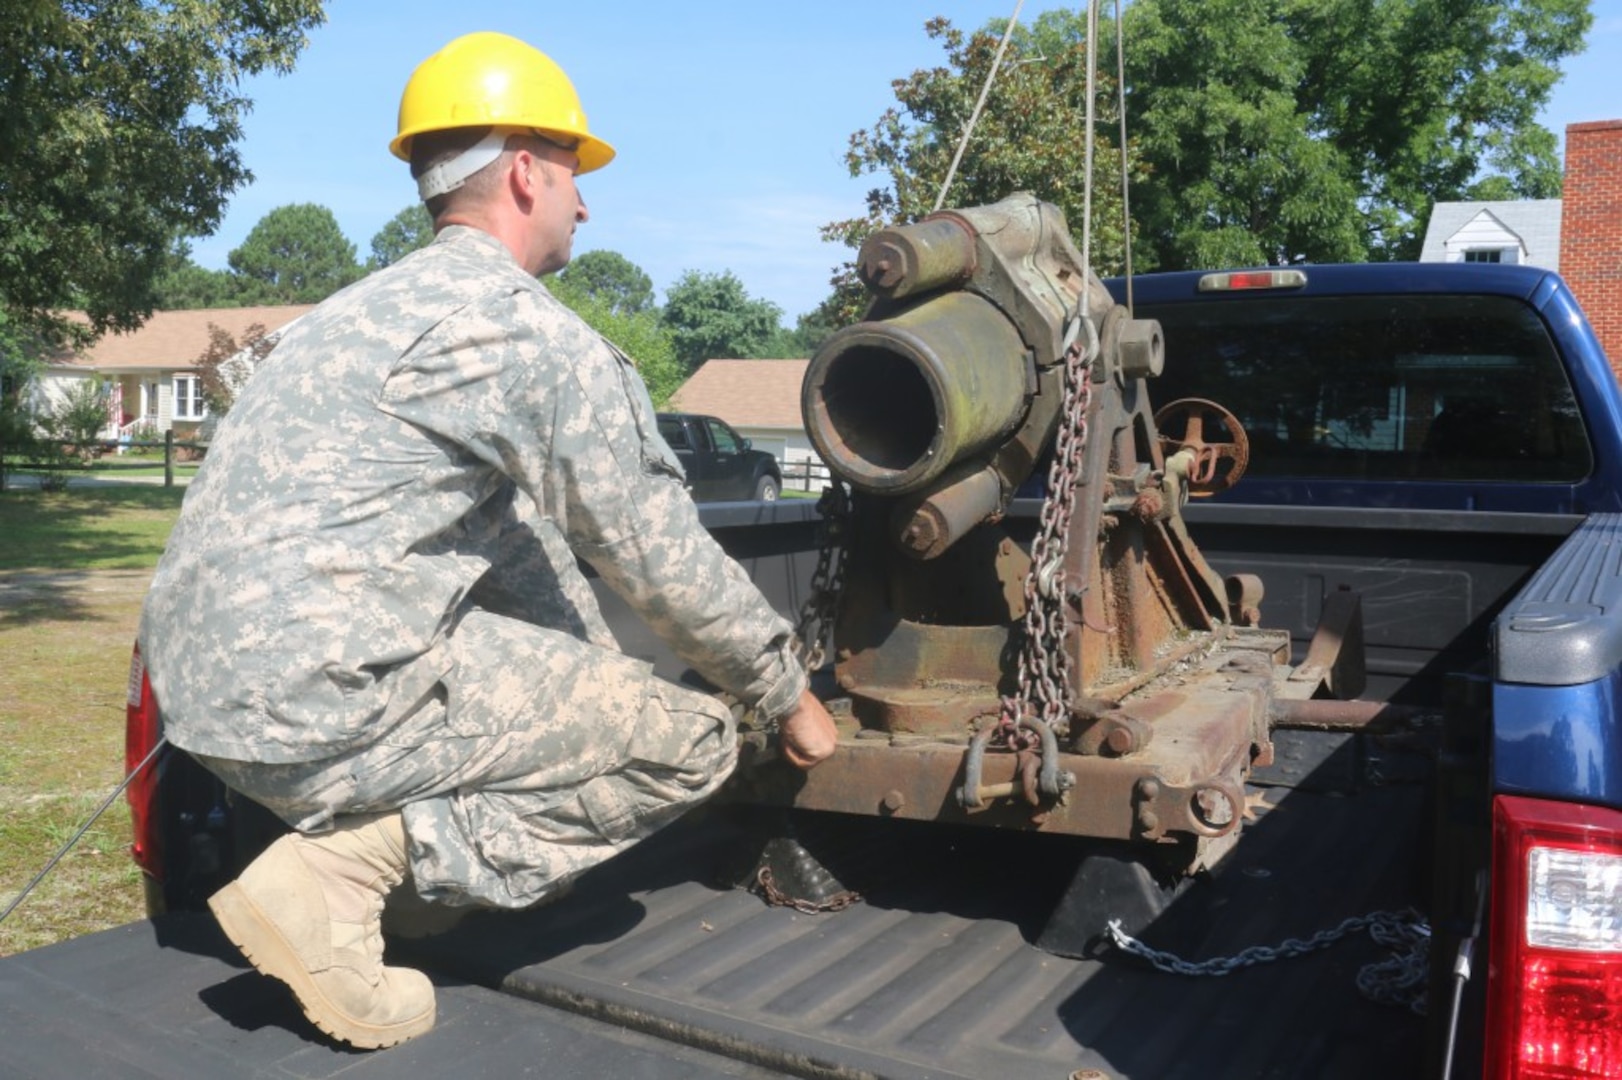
x: 1236, y: 280
x: 1554, y: 984
x: 142, y: 730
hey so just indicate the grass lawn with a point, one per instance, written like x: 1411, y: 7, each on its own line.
x: 74, y: 567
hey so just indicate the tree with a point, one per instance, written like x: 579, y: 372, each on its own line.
x: 712, y: 315
x: 185, y: 286
x: 1292, y: 130
x: 227, y: 364
x: 610, y: 277
x: 22, y: 354
x: 1264, y: 132
x: 410, y: 229
x: 80, y: 416
x: 640, y: 335
x: 1027, y: 138
x: 296, y: 254
x: 119, y: 132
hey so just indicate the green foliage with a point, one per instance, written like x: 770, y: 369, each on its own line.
x: 1321, y: 130
x: 297, y: 254
x: 80, y: 416
x: 612, y: 278
x: 639, y: 335
x: 119, y: 132
x: 712, y: 316
x: 410, y: 229
x: 1260, y: 131
x: 1027, y: 138
x: 811, y: 329
x: 185, y: 286
x: 22, y: 354
x: 18, y: 442
x: 226, y: 364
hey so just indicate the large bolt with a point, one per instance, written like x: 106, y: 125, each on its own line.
x: 882, y: 267
x: 894, y: 800
x: 1143, y: 350
x: 1121, y: 739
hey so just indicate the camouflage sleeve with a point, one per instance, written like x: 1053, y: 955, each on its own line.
x: 574, y: 427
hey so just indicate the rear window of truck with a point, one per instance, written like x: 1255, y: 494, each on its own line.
x: 1397, y: 387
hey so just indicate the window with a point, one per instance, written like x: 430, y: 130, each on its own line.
x: 674, y: 433
x: 726, y: 440
x: 1416, y: 387
x: 1484, y: 255
x: 188, y: 397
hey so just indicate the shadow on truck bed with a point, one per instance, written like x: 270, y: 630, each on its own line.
x: 936, y: 973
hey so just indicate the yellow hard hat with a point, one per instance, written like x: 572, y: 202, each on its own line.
x: 493, y: 80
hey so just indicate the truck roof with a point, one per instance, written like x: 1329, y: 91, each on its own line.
x: 1346, y: 279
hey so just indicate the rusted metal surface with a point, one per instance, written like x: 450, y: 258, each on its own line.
x: 1245, y: 593
x: 1185, y: 783
x: 1218, y: 446
x: 936, y: 253
x: 1374, y: 717
x: 1108, y: 683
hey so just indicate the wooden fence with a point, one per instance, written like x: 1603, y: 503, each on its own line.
x: 806, y: 475
x: 15, y: 457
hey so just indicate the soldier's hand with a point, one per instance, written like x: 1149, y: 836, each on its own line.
x: 807, y: 735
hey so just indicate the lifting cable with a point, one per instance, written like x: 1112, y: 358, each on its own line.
x: 76, y: 837
x: 974, y: 117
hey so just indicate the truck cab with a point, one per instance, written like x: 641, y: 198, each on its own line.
x: 721, y: 464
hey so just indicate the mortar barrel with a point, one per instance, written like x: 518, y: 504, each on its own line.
x: 892, y: 404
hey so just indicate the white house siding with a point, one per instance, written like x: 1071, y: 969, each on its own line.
x: 1525, y: 231
x: 1485, y: 233
x: 792, y: 449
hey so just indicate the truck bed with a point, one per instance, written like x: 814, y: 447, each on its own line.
x: 654, y: 967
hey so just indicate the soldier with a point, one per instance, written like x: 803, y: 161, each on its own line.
x: 370, y: 617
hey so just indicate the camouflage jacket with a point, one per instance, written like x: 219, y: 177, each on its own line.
x: 443, y: 416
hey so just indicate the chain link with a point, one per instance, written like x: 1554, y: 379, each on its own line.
x: 814, y: 629
x: 1042, y: 688
x: 1398, y: 980
x: 776, y: 897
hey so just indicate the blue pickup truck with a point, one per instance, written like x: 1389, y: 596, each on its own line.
x: 1443, y: 441
x: 1447, y: 440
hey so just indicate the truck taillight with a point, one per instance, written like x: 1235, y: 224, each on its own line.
x: 142, y: 729
x: 1554, y: 984
x: 1237, y: 280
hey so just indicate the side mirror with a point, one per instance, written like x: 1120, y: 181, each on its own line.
x: 746, y: 444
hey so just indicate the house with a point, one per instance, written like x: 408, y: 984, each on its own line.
x: 1524, y: 233
x: 151, y: 373
x: 1579, y: 235
x: 761, y: 400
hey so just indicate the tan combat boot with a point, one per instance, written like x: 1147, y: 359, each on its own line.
x: 307, y: 912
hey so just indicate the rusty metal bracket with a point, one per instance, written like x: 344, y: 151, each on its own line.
x: 1197, y: 808
x: 1051, y: 782
x: 1334, y: 665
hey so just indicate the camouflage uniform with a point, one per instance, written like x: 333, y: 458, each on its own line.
x: 372, y: 597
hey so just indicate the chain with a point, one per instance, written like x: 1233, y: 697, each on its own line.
x: 1042, y: 661
x: 778, y: 898
x: 1398, y: 980
x: 815, y: 626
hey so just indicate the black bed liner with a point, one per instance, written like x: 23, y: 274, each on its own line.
x: 652, y: 968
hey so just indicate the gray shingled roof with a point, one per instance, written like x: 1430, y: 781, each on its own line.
x: 1535, y: 221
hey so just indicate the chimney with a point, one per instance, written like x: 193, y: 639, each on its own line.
x: 1591, y: 228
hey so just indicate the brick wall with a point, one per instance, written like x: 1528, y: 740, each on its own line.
x: 1591, y: 228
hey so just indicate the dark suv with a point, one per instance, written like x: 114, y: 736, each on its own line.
x: 720, y: 463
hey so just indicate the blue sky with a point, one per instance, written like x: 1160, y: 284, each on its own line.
x: 731, y: 118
